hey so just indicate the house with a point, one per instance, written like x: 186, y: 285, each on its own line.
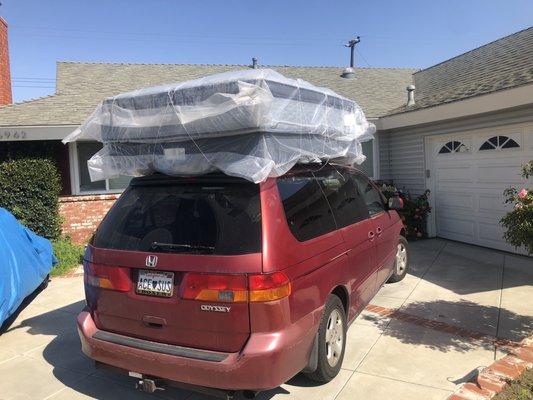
x: 465, y: 137
x: 469, y: 99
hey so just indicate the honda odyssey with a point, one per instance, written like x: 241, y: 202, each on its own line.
x: 216, y: 282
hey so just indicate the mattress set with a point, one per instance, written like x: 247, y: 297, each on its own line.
x: 253, y: 124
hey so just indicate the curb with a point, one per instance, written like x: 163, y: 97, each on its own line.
x: 493, y: 379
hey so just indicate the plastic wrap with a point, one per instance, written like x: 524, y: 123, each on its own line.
x: 253, y: 123
x: 26, y: 261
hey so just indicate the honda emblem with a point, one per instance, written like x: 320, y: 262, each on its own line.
x: 151, y: 261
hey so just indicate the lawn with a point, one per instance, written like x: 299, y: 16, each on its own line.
x: 69, y: 255
x: 521, y: 389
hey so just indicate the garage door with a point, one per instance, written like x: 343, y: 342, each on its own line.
x: 469, y: 174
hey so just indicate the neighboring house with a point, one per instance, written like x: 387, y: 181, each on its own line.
x: 467, y: 134
x: 469, y: 99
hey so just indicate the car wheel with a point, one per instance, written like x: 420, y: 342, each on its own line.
x: 331, y: 341
x: 401, y: 263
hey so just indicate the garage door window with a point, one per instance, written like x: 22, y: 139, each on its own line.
x: 453, y: 147
x: 498, y: 143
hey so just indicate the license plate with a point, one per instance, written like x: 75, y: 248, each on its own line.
x: 155, y: 283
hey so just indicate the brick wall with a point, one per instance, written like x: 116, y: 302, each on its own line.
x: 82, y: 214
x: 5, y: 75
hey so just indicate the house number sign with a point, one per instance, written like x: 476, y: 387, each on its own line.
x: 13, y: 135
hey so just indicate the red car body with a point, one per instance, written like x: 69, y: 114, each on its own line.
x: 256, y: 345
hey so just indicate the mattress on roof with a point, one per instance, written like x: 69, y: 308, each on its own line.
x: 254, y: 123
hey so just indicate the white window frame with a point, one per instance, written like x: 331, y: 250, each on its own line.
x: 75, y: 175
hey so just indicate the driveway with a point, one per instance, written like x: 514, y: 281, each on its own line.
x: 455, y: 312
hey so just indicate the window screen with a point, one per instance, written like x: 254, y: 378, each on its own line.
x: 344, y: 197
x: 218, y: 218
x: 306, y: 209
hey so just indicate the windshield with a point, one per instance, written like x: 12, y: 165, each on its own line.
x: 185, y: 217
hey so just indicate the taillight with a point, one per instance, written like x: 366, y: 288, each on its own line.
x: 224, y: 288
x: 268, y: 287
x: 107, y: 277
x: 235, y: 288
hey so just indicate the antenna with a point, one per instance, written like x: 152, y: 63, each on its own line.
x: 351, y: 44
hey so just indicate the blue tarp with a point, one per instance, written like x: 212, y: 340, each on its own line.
x: 25, y: 261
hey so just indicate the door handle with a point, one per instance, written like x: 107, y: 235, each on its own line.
x: 379, y: 231
x: 371, y: 235
x: 154, y: 322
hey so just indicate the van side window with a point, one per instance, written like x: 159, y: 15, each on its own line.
x: 344, y: 197
x: 373, y: 199
x: 306, y: 209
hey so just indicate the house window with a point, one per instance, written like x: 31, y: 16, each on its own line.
x: 83, y: 151
x: 498, y: 143
x: 368, y: 165
x: 453, y: 147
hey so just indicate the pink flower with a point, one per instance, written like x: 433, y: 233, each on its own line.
x: 522, y: 194
x: 518, y: 206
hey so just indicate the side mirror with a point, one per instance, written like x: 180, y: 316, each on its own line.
x: 395, y: 203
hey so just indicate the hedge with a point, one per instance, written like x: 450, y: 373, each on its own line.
x: 30, y: 188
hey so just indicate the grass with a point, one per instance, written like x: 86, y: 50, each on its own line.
x: 520, y: 389
x: 69, y: 255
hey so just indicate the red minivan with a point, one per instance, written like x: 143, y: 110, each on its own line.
x: 221, y: 285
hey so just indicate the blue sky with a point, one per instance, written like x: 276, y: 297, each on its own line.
x: 407, y: 33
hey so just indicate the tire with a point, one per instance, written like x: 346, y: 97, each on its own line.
x: 329, y: 367
x: 401, y: 263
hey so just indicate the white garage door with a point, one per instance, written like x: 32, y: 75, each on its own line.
x: 469, y: 174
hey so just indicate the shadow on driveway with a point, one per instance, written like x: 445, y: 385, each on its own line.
x: 65, y: 355
x: 471, y: 319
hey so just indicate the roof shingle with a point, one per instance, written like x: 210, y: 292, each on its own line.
x: 81, y: 86
x: 502, y: 64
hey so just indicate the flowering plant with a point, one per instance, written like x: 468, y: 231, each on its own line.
x: 518, y: 223
x: 414, y: 212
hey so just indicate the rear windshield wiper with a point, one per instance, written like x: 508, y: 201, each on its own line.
x: 159, y: 245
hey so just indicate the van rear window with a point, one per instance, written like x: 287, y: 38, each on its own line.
x: 185, y: 217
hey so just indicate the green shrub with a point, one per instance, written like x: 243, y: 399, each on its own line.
x: 415, y: 211
x: 29, y: 188
x: 69, y: 255
x: 518, y: 223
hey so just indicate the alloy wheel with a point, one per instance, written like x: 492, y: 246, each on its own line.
x: 334, y: 338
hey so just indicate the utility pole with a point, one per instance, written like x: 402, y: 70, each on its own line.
x: 351, y: 44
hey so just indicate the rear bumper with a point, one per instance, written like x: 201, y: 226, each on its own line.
x: 267, y: 360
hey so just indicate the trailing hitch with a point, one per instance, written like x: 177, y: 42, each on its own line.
x: 148, y: 385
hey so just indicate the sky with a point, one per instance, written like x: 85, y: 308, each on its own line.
x: 406, y: 33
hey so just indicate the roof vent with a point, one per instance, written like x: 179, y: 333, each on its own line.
x: 255, y: 63
x: 350, y: 71
x: 410, y: 95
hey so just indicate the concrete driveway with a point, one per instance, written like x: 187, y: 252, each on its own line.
x: 418, y: 340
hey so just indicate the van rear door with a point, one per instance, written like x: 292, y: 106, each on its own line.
x: 176, y: 253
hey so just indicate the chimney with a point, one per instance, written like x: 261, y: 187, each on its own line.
x: 5, y: 74
x: 410, y: 95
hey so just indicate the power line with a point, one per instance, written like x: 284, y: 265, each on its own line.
x: 114, y: 35
x: 34, y: 86
x: 188, y: 41
x: 363, y: 57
